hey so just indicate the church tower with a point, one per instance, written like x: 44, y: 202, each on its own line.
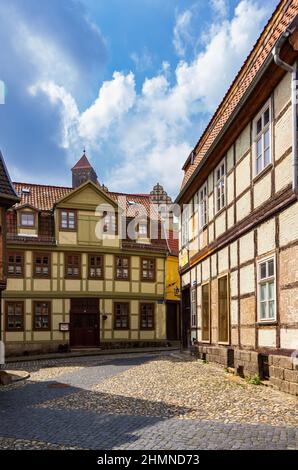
x: 82, y: 172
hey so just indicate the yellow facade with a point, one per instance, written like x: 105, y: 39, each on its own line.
x: 60, y: 291
x: 172, y: 279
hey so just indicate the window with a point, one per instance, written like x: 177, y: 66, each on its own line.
x: 147, y: 316
x: 262, y: 136
x: 184, y: 227
x: 220, y: 186
x: 143, y: 229
x: 121, y: 316
x: 223, y: 310
x: 42, y: 265
x: 110, y: 223
x: 68, y: 220
x: 27, y: 219
x: 193, y: 308
x: 42, y: 316
x: 203, y: 206
x: 72, y: 265
x: 266, y: 290
x: 147, y: 269
x: 206, y: 312
x: 122, y: 267
x: 15, y: 263
x: 14, y: 316
x: 95, y: 266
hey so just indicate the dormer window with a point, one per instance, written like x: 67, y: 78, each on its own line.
x: 27, y: 219
x: 110, y: 223
x: 68, y: 220
x: 143, y: 229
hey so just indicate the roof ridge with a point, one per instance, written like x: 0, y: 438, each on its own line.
x: 42, y: 185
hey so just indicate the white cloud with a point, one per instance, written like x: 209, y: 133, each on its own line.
x: 220, y: 7
x: 143, y: 61
x: 152, y: 132
x: 182, y: 32
x: 115, y: 98
x: 69, y: 113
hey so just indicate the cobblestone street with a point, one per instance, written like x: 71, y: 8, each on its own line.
x: 142, y: 401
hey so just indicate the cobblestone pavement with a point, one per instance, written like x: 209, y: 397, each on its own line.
x: 142, y: 401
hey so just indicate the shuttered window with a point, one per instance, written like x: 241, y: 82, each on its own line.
x: 223, y: 310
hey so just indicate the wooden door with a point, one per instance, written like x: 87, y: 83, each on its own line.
x: 172, y: 321
x: 84, y: 323
x: 186, y: 341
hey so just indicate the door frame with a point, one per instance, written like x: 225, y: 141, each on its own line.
x: 76, y: 311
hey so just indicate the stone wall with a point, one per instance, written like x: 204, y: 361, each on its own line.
x: 284, y: 373
x: 283, y: 370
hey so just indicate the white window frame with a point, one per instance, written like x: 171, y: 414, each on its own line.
x: 193, y: 308
x: 266, y: 281
x: 261, y: 135
x: 220, y: 185
x: 203, y: 206
x: 27, y: 223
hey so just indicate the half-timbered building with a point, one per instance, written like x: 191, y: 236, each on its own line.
x: 239, y: 225
x: 77, y: 278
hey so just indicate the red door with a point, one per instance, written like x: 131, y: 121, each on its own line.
x: 84, y: 323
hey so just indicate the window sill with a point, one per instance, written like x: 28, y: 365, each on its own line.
x: 14, y: 330
x: 74, y: 230
x: 41, y: 329
x: 267, y: 323
x: 264, y: 172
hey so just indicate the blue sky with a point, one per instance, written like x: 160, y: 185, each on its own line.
x: 135, y: 81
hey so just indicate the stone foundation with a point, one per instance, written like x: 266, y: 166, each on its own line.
x: 284, y: 374
x: 217, y: 354
x: 283, y: 370
x: 28, y: 349
x: 246, y: 363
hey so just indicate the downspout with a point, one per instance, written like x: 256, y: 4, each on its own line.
x: 293, y: 71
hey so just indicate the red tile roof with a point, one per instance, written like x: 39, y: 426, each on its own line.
x: 7, y: 190
x: 278, y: 23
x: 44, y: 197
x: 173, y: 243
x: 82, y: 163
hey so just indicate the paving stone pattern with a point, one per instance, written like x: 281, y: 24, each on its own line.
x: 142, y: 401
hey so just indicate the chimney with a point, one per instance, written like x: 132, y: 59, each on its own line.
x: 82, y: 172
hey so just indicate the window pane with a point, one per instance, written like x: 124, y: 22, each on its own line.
x: 267, y: 139
x: 266, y: 117
x: 263, y: 274
x: 263, y: 310
x: 266, y: 157
x: 271, y: 286
x: 259, y: 125
x: 271, y: 268
x: 271, y: 309
x: 263, y: 292
x: 259, y: 147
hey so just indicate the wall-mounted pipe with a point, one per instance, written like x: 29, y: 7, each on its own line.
x: 293, y: 71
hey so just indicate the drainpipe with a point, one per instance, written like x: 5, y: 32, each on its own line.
x: 293, y: 71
